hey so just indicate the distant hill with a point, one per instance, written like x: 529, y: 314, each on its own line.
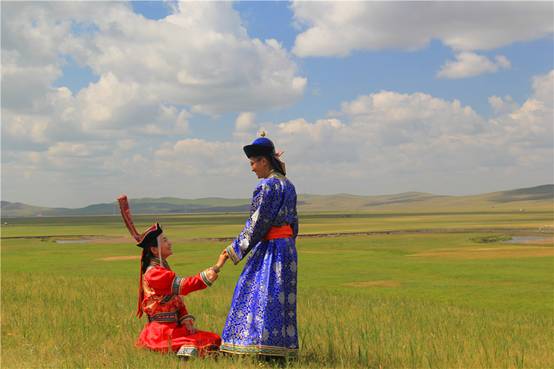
x: 164, y: 205
x: 17, y: 209
x: 536, y: 198
x: 355, y: 202
x: 544, y: 192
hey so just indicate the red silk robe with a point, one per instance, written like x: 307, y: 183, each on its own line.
x: 170, y: 326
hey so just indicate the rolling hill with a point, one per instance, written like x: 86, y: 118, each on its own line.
x: 532, y: 198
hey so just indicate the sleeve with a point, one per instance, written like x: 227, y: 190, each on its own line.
x: 160, y: 280
x: 265, y: 206
x: 166, y: 282
x: 294, y: 223
x: 185, y: 285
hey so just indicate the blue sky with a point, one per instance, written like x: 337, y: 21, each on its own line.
x: 365, y: 98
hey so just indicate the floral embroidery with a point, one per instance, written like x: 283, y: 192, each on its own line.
x: 292, y: 298
x: 291, y: 331
x: 292, y: 266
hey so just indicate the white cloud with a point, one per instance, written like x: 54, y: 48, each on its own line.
x: 198, y: 157
x: 24, y: 86
x: 201, y: 56
x: 152, y: 75
x: 245, y: 126
x: 25, y: 128
x: 71, y: 149
x: 501, y: 105
x: 338, y: 28
x: 383, y: 142
x: 422, y: 142
x: 129, y: 130
x: 403, y: 117
x: 245, y: 121
x: 468, y: 64
x: 543, y: 88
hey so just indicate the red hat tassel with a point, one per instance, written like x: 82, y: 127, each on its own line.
x: 128, y: 220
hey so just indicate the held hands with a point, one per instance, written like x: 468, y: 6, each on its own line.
x: 211, y: 273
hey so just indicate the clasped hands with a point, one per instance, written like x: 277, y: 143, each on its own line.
x: 212, y: 272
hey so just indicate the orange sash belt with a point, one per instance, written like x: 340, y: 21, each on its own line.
x: 278, y: 232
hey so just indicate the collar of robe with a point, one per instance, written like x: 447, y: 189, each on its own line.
x: 156, y: 261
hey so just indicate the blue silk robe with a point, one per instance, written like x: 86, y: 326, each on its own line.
x: 262, y: 318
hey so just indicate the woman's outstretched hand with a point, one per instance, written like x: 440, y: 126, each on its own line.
x: 221, y: 260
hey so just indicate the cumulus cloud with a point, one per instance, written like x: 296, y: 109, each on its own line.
x: 339, y: 28
x: 129, y: 130
x: 245, y: 121
x: 198, y: 157
x: 152, y: 75
x: 381, y: 142
x: 200, y: 56
x: 530, y: 126
x: 245, y: 126
x: 502, y: 105
x: 468, y: 64
x: 422, y: 141
x: 543, y: 88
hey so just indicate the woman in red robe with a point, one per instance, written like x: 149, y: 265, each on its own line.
x: 170, y: 326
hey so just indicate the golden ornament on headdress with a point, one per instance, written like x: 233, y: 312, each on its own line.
x: 262, y: 133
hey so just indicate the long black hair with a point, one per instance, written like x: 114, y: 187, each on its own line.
x: 148, y: 241
x: 276, y: 164
x: 146, y: 258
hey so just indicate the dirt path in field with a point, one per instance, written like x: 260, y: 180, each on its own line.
x: 116, y: 258
x: 548, y: 238
x: 515, y: 251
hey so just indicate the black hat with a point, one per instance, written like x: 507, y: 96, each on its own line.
x: 261, y: 146
x: 149, y: 237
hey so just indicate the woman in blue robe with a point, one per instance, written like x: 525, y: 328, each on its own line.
x: 262, y: 318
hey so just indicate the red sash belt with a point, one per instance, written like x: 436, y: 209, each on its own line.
x: 278, y: 232
x: 168, y: 317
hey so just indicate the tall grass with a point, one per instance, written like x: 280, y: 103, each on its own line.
x: 74, y: 322
x: 363, y: 302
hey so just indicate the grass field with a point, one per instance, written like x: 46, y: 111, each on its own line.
x: 402, y: 290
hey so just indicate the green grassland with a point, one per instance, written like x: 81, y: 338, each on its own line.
x: 219, y: 225
x: 381, y: 289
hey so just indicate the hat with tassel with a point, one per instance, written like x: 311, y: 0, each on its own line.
x: 146, y: 239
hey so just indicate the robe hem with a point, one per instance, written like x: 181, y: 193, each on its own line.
x: 258, y: 350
